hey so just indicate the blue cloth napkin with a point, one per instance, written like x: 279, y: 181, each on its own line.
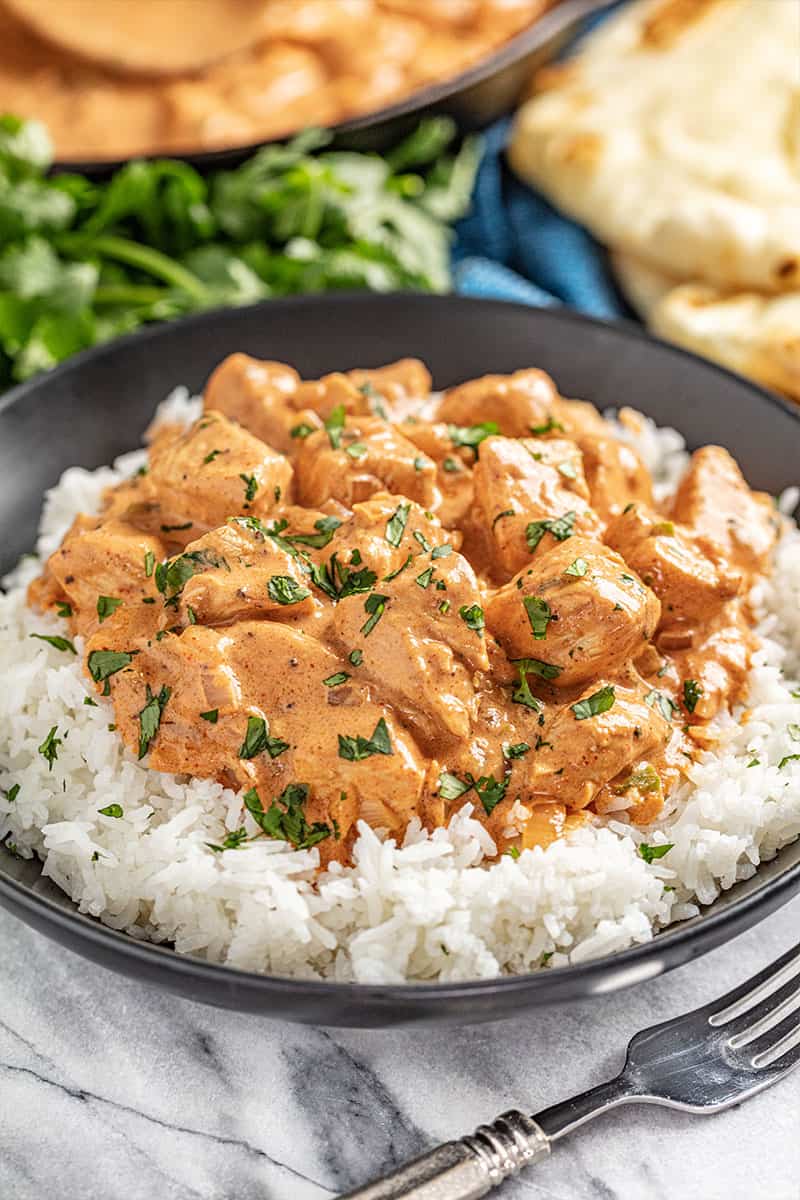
x: 514, y: 246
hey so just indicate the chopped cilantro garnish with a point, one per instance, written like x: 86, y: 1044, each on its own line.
x: 396, y: 525
x: 258, y: 739
x: 149, y: 563
x: 692, y: 691
x: 89, y: 702
x: 663, y: 703
x: 150, y: 717
x: 471, y: 436
x: 335, y: 426
x: 787, y: 758
x: 58, y: 643
x: 393, y: 574
x: 522, y: 693
x: 375, y: 605
x: 443, y: 551
x: 103, y: 663
x: 507, y: 512
x: 106, y: 605
x: 284, y: 819
x: 301, y: 431
x: 652, y: 853
x: 549, y: 426
x: 111, y: 810
x: 176, y: 528
x: 356, y: 450
x: 472, y: 616
x: 212, y: 454
x: 419, y: 463
x: 285, y: 590
x: 490, y: 791
x: 444, y: 607
x: 595, y: 704
x: 644, y: 780
x: 12, y: 793
x: 560, y: 527
x: 535, y: 666
x: 337, y: 679
x: 232, y: 841
x: 578, y: 567
x: 425, y: 577
x: 250, y: 486
x: 356, y: 657
x: 355, y: 749
x: 49, y: 747
x: 326, y: 527
x: 539, y: 615
x: 517, y: 751
x: 451, y: 465
x: 63, y: 609
x: 211, y: 716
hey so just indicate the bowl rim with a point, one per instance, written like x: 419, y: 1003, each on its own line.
x: 552, y: 22
x: 696, y: 932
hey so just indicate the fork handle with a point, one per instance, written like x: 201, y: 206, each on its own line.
x: 467, y: 1169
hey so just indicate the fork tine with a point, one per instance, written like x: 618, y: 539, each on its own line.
x: 783, y: 1053
x: 742, y: 998
x: 766, y: 1014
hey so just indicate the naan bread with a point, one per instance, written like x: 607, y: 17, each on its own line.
x: 674, y: 135
x: 749, y: 332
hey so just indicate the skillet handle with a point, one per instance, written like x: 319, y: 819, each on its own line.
x: 467, y: 1169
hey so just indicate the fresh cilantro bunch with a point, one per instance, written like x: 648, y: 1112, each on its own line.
x: 83, y: 261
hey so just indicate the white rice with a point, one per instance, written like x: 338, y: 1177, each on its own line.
x: 431, y: 908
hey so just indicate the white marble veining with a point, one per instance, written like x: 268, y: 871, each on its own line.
x: 113, y: 1091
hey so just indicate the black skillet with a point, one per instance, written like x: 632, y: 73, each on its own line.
x: 97, y: 405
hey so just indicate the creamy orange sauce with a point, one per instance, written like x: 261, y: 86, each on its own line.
x: 358, y: 600
x: 319, y: 62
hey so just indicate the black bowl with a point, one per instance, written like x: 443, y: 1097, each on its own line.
x: 97, y: 405
x: 474, y: 97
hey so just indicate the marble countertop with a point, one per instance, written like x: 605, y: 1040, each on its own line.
x: 113, y: 1091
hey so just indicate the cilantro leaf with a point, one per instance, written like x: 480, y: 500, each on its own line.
x: 150, y: 717
x: 539, y: 615
x: 285, y: 590
x: 58, y: 643
x: 599, y: 702
x: 653, y: 853
x: 355, y: 749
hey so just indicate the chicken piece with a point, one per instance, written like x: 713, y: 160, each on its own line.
x: 369, y: 456
x: 259, y: 395
x: 214, y: 471
x: 396, y: 390
x: 715, y: 666
x: 417, y: 635
x: 613, y: 723
x: 454, y: 468
x: 325, y: 735
x: 578, y: 608
x: 382, y: 532
x: 691, y: 587
x: 105, y: 570
x: 520, y: 404
x: 523, y: 505
x: 616, y: 475
x: 240, y: 570
x: 734, y: 525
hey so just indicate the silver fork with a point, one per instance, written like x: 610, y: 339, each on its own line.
x: 702, y: 1062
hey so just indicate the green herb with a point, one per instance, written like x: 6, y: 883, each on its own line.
x: 560, y: 527
x: 258, y: 739
x: 355, y: 749
x: 507, y: 512
x: 471, y: 436
x: 472, y: 616
x: 578, y: 567
x: 285, y: 590
x: 89, y: 702
x: 63, y: 609
x: 451, y: 465
x: 652, y: 853
x: 337, y: 679
x: 212, y: 454
x: 444, y: 607
x: 663, y: 703
x: 211, y: 716
x: 393, y: 574
x: 595, y: 704
x: 535, y: 666
x: 106, y: 605
x: 793, y: 732
x: 375, y: 605
x: 356, y: 657
x: 12, y: 793
x: 317, y: 541
x: 172, y: 576
x: 692, y: 691
x: 334, y: 425
x: 396, y: 525
x: 149, y: 563
x: 513, y: 852
x: 663, y: 529
x: 425, y: 577
x: 754, y: 762
x: 250, y: 487
x: 103, y: 663
x: 522, y: 693
x: 549, y: 426
x: 231, y: 841
x: 490, y: 791
x: 419, y: 463
x: 451, y: 787
x: 58, y: 643
x: 443, y: 551
x: 787, y: 758
x: 86, y: 260
x: 646, y: 780
x: 302, y: 430
x: 176, y: 528
x: 150, y: 717
x: 539, y: 615
x: 111, y: 810
x: 49, y: 747
x: 284, y: 819
x: 517, y: 751
x: 356, y: 450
